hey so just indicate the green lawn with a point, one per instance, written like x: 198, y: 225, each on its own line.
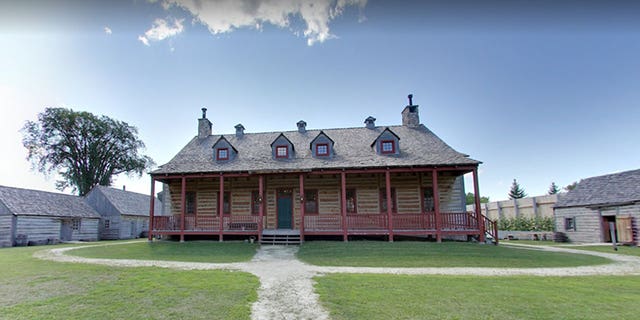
x: 369, y: 297
x: 35, y: 289
x: 428, y: 254
x: 193, y: 251
x: 633, y: 251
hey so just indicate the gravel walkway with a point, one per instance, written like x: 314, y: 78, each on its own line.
x: 286, y: 290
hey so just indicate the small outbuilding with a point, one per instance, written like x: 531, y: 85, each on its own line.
x: 124, y: 214
x: 600, y: 207
x: 32, y: 217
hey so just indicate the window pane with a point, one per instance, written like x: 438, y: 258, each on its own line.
x: 428, y: 203
x: 322, y: 150
x: 281, y: 151
x: 190, y: 202
x: 255, y: 202
x: 351, y: 201
x: 223, y: 154
x: 311, y: 201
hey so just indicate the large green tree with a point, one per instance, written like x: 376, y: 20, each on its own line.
x: 516, y: 191
x: 86, y: 150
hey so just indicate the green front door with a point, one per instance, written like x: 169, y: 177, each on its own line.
x: 285, y: 209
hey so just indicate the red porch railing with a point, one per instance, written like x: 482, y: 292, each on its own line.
x: 367, y: 222
x: 240, y: 223
x: 322, y: 223
x: 205, y: 223
x: 420, y: 221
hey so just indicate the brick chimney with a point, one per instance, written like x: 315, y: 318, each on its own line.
x: 204, y: 125
x: 239, y: 130
x: 302, y: 126
x: 410, y: 116
x: 370, y: 122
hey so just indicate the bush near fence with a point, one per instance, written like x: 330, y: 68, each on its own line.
x: 526, y: 224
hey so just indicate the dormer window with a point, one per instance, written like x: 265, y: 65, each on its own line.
x: 387, y: 146
x: 322, y: 146
x: 282, y: 148
x: 223, y: 154
x: 223, y: 151
x: 282, y: 152
x: 387, y: 143
x: 322, y: 149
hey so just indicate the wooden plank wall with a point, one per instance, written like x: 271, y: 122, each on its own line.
x: 114, y: 228
x: 88, y: 230
x: 38, y: 229
x: 6, y: 222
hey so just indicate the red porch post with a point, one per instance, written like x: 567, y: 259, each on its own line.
x: 151, y: 208
x: 261, y: 208
x: 476, y: 189
x: 302, y: 204
x: 387, y: 176
x: 343, y: 206
x: 221, y: 207
x: 436, y: 205
x: 183, y: 195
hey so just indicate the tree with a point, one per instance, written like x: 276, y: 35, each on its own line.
x: 571, y: 186
x: 84, y: 149
x: 471, y: 198
x: 553, y: 188
x: 516, y: 191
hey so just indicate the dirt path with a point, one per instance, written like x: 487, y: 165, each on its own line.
x: 286, y: 290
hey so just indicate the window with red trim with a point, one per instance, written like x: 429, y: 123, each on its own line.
x: 387, y: 146
x: 226, y: 207
x: 310, y: 201
x: 352, y: 204
x: 222, y: 154
x: 255, y: 202
x: 383, y: 200
x: 322, y: 149
x: 190, y: 202
x: 282, y: 152
x: 428, y: 203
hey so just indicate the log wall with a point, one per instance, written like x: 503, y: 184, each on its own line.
x: 408, y: 188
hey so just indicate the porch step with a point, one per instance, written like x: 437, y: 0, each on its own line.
x: 281, y: 239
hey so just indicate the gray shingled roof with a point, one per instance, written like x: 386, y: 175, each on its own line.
x: 42, y: 203
x: 617, y: 188
x: 418, y: 147
x: 127, y: 202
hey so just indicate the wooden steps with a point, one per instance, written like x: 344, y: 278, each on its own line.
x: 281, y: 237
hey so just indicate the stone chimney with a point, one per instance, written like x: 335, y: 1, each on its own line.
x: 239, y: 130
x: 370, y: 122
x: 410, y: 116
x: 302, y: 126
x: 204, y: 125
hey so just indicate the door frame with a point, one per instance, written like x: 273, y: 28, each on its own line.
x: 278, y: 192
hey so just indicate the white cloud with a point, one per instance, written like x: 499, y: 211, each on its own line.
x: 107, y: 30
x: 222, y: 16
x: 162, y: 29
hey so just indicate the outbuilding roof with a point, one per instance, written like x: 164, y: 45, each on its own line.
x: 127, y: 202
x: 352, y: 149
x: 610, y: 189
x: 42, y: 203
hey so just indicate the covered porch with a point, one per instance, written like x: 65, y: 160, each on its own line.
x: 253, y: 203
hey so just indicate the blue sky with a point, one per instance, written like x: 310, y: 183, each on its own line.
x: 540, y: 91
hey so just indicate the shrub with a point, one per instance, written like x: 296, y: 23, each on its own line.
x: 526, y: 224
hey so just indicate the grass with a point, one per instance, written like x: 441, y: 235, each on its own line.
x: 192, y: 251
x: 35, y: 289
x: 426, y: 254
x: 632, y: 251
x: 357, y: 296
x: 533, y: 242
